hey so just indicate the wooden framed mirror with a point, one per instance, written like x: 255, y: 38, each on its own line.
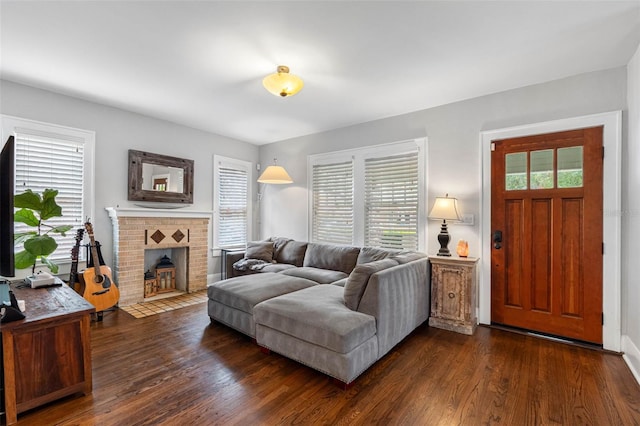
x: 160, y: 178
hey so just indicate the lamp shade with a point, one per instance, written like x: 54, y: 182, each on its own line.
x: 282, y: 83
x: 275, y: 174
x: 445, y: 208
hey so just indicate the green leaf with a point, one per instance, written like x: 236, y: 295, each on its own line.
x: 49, y: 206
x: 26, y: 216
x: 61, y: 229
x: 28, y: 200
x: 49, y: 194
x: 24, y: 260
x: 20, y: 237
x: 41, y: 245
x: 52, y: 266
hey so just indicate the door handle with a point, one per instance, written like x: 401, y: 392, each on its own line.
x: 497, y: 240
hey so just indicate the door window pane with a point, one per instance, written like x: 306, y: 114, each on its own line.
x: 570, y: 167
x: 516, y: 171
x: 542, y: 169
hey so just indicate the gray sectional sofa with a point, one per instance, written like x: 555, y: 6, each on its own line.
x: 337, y: 309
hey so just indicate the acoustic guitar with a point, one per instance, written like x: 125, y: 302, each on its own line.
x: 99, y: 288
x: 75, y: 280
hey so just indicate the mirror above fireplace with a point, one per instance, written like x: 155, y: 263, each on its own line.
x: 160, y: 178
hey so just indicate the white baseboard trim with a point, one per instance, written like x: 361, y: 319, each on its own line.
x: 631, y: 355
x: 212, y: 278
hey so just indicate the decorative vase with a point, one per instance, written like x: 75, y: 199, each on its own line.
x: 463, y: 248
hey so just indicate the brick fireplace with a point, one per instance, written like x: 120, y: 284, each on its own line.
x: 137, y: 230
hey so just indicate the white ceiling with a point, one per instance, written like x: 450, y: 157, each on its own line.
x: 201, y: 63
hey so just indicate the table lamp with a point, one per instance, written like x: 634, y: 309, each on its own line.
x: 444, y: 208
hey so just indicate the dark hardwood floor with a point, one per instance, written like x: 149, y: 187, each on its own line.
x: 177, y: 368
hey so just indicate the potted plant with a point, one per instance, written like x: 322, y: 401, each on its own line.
x: 38, y: 244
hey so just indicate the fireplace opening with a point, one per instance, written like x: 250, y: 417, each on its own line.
x: 166, y: 272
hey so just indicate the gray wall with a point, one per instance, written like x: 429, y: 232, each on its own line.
x: 117, y: 131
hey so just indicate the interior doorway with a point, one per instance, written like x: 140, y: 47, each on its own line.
x: 611, y: 215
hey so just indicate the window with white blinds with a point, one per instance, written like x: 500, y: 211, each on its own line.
x: 49, y: 156
x: 232, y: 202
x: 371, y: 196
x: 332, y: 220
x: 391, y: 201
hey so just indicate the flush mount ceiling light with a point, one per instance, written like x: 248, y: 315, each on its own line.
x: 282, y: 83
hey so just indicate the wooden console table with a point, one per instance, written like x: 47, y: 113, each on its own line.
x: 47, y: 355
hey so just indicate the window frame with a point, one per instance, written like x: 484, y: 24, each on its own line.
x: 358, y: 156
x: 12, y: 125
x: 229, y: 162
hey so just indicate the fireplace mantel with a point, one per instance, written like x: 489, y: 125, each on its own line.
x: 115, y: 212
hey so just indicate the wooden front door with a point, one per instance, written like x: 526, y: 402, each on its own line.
x: 546, y: 221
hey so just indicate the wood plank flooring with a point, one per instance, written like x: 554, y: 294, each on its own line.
x: 176, y: 368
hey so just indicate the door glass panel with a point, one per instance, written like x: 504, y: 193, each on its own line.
x: 516, y: 171
x: 570, y: 167
x: 542, y: 169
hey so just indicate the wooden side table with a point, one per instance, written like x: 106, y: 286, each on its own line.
x: 453, y: 293
x: 47, y: 355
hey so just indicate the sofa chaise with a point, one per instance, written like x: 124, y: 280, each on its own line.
x: 337, y: 309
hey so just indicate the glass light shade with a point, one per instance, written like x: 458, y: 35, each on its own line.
x: 445, y: 208
x: 275, y: 174
x: 282, y: 83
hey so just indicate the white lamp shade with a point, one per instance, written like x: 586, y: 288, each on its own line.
x: 275, y: 174
x: 445, y: 208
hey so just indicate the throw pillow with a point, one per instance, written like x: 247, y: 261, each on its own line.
x: 291, y: 252
x: 261, y: 250
x: 329, y: 256
x: 359, y: 278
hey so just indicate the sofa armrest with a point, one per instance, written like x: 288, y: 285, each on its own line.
x: 230, y: 259
x: 400, y: 300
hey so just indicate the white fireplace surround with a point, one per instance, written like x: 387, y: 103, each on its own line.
x: 138, y: 229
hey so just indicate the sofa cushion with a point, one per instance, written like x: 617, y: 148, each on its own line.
x: 317, y: 315
x: 358, y: 279
x: 289, y: 251
x: 277, y: 267
x: 341, y: 282
x: 371, y: 254
x: 328, y: 256
x: 244, y: 292
x: 322, y: 276
x: 260, y: 250
x: 408, y: 256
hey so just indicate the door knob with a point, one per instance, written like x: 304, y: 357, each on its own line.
x: 497, y: 240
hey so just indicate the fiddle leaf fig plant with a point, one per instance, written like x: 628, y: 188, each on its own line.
x: 34, y: 210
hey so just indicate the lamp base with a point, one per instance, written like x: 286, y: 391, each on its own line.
x: 443, y: 239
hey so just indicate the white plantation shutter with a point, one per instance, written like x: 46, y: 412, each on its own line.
x: 333, y: 203
x: 232, y: 202
x: 233, y: 207
x: 372, y: 196
x: 47, y: 162
x: 391, y: 202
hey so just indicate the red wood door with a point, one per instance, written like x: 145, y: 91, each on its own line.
x: 546, y: 219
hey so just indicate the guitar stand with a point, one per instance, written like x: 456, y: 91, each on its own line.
x: 98, y: 315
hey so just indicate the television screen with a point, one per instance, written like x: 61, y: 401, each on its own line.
x: 7, y: 181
